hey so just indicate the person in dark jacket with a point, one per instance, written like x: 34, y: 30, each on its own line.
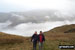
x: 41, y: 40
x: 34, y: 39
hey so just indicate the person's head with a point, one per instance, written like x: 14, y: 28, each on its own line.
x: 41, y: 32
x: 35, y: 32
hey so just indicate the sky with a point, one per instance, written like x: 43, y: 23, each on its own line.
x: 25, y: 5
x: 27, y: 29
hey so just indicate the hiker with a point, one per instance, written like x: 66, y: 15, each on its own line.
x: 34, y: 40
x: 41, y: 40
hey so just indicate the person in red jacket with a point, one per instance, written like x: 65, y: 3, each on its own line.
x: 41, y: 39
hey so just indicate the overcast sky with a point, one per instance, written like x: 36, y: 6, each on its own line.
x: 27, y: 28
x: 23, y: 5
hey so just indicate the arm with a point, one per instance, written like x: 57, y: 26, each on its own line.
x: 32, y: 38
x: 43, y: 38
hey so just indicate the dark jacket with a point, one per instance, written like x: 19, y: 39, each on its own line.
x: 43, y: 37
x: 34, y: 38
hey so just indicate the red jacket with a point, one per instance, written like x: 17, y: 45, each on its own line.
x: 41, y: 38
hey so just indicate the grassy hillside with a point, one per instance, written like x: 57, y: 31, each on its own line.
x: 14, y: 42
x: 64, y: 35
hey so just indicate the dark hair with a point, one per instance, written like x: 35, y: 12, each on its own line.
x: 40, y: 31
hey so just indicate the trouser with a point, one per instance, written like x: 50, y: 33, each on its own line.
x: 40, y: 45
x: 34, y: 45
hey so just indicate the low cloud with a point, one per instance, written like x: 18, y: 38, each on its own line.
x: 28, y: 29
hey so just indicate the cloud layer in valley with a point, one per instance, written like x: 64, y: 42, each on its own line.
x: 28, y: 29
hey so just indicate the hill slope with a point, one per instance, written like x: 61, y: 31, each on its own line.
x: 64, y: 35
x: 14, y: 42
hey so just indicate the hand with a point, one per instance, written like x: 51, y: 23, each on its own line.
x: 32, y: 40
x: 43, y: 41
